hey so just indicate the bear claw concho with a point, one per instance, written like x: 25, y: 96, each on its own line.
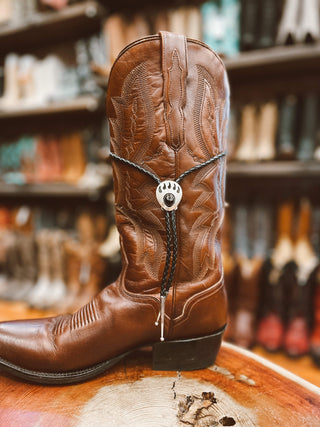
x: 169, y: 194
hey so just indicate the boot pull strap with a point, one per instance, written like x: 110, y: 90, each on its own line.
x: 175, y: 71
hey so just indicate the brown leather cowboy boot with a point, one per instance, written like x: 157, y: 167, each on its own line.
x: 168, y: 106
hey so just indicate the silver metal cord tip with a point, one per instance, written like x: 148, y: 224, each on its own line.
x: 157, y: 321
x: 162, y: 312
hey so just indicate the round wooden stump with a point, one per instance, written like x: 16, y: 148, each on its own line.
x: 241, y: 389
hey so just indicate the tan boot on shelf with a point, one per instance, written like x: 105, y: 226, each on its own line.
x: 168, y: 150
x: 137, y: 27
x: 115, y: 35
x: 267, y: 131
x: 177, y: 20
x: 246, y: 150
x: 93, y: 270
x: 72, y: 274
x: 73, y: 156
x: 5, y: 11
x: 11, y: 94
x: 161, y: 21
x: 193, y: 22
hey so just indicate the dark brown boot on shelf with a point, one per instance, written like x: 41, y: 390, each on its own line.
x: 296, y: 341
x: 271, y: 325
x: 315, y: 335
x: 309, y: 124
x: 287, y: 128
x: 230, y: 275
x: 250, y: 261
x: 168, y: 103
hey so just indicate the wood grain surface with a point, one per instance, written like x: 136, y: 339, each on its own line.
x: 240, y: 389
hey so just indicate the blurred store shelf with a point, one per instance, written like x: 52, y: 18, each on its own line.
x: 74, y: 21
x: 87, y: 103
x: 271, y: 61
x: 50, y: 190
x: 288, y: 169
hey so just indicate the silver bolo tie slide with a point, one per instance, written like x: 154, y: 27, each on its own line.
x: 169, y: 194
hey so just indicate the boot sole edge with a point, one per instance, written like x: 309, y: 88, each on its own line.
x: 175, y: 355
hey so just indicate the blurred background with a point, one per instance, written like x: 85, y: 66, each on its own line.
x: 58, y: 242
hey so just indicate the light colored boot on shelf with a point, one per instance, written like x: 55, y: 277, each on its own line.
x: 27, y: 255
x: 111, y: 246
x: 309, y: 22
x: 10, y: 97
x: 42, y: 287
x: 26, y: 80
x: 288, y: 26
x: 267, y: 131
x: 58, y: 288
x: 246, y: 150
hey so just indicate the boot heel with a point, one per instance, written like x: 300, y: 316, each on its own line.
x: 186, y: 355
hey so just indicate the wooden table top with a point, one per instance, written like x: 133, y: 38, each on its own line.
x: 241, y: 389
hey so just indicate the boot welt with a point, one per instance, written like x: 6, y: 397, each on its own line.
x: 184, y: 355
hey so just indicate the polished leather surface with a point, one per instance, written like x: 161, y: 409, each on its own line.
x: 168, y: 104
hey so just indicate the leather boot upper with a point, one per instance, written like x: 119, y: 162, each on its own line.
x: 168, y: 104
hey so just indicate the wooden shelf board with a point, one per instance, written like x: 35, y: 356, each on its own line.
x: 88, y: 103
x: 273, y: 60
x: 53, y: 26
x: 288, y: 169
x: 49, y: 190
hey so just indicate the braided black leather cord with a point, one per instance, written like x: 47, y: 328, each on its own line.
x: 200, y: 165
x: 163, y: 290
x: 171, y: 228
x: 174, y: 250
x: 134, y: 165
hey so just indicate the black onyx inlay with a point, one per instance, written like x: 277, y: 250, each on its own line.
x: 169, y: 199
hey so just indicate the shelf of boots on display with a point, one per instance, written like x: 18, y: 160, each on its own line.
x: 86, y: 103
x: 273, y: 60
x: 44, y: 28
x: 286, y: 169
x: 51, y: 190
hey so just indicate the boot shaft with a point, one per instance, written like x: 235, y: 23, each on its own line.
x: 168, y: 104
